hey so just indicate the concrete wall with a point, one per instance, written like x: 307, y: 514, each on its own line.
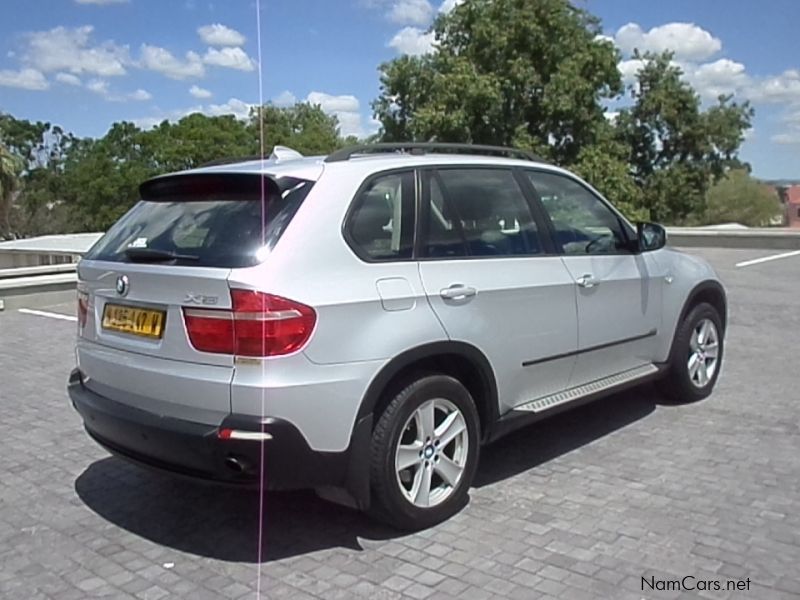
x: 13, y: 259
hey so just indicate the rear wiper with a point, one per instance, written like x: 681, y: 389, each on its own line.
x: 153, y: 255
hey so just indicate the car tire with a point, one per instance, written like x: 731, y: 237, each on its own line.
x: 424, y: 452
x: 696, y: 356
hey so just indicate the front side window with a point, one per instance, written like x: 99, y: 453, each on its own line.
x: 381, y: 226
x: 478, y: 212
x: 583, y: 223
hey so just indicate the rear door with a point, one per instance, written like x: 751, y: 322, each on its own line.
x: 172, y: 253
x: 618, y: 295
x: 493, y: 281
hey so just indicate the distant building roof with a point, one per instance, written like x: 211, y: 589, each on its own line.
x: 70, y: 243
x: 793, y: 194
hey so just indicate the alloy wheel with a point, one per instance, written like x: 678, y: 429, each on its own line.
x: 431, y: 454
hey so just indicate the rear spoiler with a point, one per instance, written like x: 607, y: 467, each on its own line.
x: 208, y: 186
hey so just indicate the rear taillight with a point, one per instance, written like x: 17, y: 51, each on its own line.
x: 83, y: 308
x: 258, y: 325
x: 210, y: 330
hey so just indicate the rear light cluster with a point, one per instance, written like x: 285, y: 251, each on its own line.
x: 83, y: 308
x: 258, y: 325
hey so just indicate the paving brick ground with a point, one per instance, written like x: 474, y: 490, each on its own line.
x: 581, y: 506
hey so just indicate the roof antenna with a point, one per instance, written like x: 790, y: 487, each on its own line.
x: 283, y: 153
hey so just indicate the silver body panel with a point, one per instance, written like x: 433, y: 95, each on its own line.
x: 525, y: 310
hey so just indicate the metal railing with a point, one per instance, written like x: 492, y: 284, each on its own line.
x: 17, y: 272
x: 31, y: 286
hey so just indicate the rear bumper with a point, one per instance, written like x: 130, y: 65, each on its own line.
x: 195, y: 450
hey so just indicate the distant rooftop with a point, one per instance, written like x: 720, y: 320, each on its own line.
x: 70, y: 243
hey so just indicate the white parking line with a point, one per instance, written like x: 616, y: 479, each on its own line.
x: 756, y: 261
x: 43, y: 313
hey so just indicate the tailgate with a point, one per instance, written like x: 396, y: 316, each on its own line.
x: 137, y: 308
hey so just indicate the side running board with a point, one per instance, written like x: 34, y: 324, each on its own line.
x: 601, y: 385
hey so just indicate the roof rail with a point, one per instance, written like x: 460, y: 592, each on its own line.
x: 420, y: 148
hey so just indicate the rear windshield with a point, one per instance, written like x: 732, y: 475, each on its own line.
x: 204, y: 221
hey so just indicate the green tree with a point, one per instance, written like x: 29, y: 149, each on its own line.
x: 102, y: 177
x: 677, y: 149
x: 531, y: 73
x: 10, y: 168
x: 25, y: 139
x: 739, y: 198
x: 197, y: 139
x: 41, y: 149
x: 605, y: 169
x: 302, y: 127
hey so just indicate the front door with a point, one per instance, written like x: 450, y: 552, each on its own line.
x: 493, y: 280
x: 618, y: 294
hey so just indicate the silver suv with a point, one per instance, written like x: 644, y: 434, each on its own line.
x: 363, y: 323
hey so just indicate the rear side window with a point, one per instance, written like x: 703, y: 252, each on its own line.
x: 478, y: 212
x: 221, y: 221
x: 381, y: 225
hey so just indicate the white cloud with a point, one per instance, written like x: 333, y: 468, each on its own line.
x: 218, y: 34
x: 70, y: 50
x: 686, y: 40
x: 790, y: 122
x: 449, y: 5
x: 101, y: 2
x: 333, y: 104
x: 101, y: 88
x: 230, y: 58
x: 411, y: 12
x: 346, y: 108
x: 199, y: 92
x: 710, y: 80
x: 68, y: 78
x: 163, y: 61
x: 415, y: 39
x: 783, y: 88
x: 140, y: 95
x: 26, y: 79
x: 629, y: 68
x: 786, y: 138
x: 234, y: 106
x: 98, y: 86
x: 284, y: 99
x: 717, y: 78
x: 412, y: 41
x: 147, y: 122
x: 172, y: 116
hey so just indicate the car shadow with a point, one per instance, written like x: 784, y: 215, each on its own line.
x: 541, y: 442
x: 222, y: 523
x: 216, y: 521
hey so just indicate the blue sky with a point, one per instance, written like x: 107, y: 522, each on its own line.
x: 87, y: 63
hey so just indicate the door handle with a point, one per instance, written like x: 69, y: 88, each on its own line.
x: 587, y: 281
x: 458, y: 291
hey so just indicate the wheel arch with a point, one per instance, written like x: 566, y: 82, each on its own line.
x: 710, y: 291
x: 461, y: 360
x: 713, y: 293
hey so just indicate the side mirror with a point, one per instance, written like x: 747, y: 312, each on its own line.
x: 650, y: 236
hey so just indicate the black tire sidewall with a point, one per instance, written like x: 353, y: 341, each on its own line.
x: 681, y: 387
x: 392, y: 504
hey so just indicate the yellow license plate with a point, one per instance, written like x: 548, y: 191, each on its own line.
x: 137, y: 321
